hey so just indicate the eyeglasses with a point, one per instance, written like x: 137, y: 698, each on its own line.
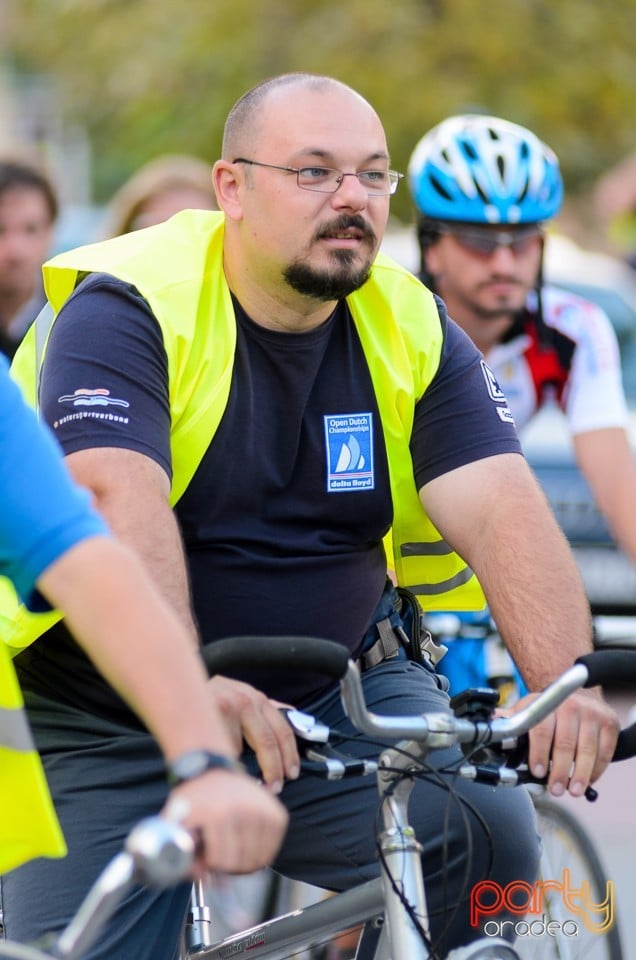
x: 484, y: 242
x: 378, y: 183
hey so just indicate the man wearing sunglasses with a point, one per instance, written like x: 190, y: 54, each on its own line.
x: 483, y: 189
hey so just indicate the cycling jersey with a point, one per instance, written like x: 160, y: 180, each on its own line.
x: 576, y: 361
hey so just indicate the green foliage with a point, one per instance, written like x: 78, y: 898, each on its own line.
x: 149, y: 76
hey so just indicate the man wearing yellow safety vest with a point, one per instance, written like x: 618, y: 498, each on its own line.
x: 54, y: 547
x: 256, y: 398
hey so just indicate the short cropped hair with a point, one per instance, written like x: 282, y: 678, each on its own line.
x: 15, y: 174
x: 241, y: 123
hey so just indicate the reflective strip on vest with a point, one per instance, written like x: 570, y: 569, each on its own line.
x: 14, y: 730
x: 435, y: 548
x: 29, y: 827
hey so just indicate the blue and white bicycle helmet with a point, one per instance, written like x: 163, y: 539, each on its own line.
x: 480, y: 169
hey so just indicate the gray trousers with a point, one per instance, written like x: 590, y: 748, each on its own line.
x: 104, y: 778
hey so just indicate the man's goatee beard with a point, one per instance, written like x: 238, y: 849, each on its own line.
x: 327, y: 285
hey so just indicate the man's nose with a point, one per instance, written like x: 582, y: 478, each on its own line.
x: 503, y: 256
x: 351, y: 193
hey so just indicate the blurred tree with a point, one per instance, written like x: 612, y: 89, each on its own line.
x: 153, y: 76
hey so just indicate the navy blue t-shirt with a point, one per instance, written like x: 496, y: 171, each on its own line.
x: 283, y: 521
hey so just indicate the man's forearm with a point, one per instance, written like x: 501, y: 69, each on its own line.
x: 536, y: 596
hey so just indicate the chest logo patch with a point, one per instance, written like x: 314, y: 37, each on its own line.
x: 349, y: 447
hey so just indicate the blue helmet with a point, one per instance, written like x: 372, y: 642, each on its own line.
x: 478, y: 169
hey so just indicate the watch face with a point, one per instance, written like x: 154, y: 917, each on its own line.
x: 190, y: 764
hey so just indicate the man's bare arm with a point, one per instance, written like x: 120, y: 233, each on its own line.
x: 496, y: 517
x: 131, y: 491
x: 607, y: 462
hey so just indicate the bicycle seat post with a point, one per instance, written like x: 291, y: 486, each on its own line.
x: 401, y: 861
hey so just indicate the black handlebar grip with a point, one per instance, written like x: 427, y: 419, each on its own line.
x: 607, y: 667
x: 626, y: 744
x: 289, y: 653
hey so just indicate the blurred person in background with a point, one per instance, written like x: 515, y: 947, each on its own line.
x: 483, y: 189
x: 28, y: 211
x: 163, y: 186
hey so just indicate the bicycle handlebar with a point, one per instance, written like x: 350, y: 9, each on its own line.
x: 290, y: 653
x: 601, y: 667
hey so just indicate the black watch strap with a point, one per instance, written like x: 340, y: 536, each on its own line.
x: 197, y: 762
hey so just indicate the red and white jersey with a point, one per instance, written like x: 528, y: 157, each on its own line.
x: 576, y: 361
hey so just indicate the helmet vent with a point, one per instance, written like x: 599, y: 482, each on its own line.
x: 481, y: 192
x: 443, y: 192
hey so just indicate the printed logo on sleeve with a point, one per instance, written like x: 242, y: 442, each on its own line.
x: 98, y: 398
x: 494, y: 390
x: 349, y: 447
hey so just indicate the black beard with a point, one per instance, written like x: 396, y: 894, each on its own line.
x: 327, y: 285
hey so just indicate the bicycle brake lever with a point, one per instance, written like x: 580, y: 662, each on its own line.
x: 516, y: 758
x: 305, y: 726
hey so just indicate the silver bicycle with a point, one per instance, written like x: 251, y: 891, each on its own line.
x: 392, y: 909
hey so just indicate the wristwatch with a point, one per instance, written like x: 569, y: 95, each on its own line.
x: 196, y: 762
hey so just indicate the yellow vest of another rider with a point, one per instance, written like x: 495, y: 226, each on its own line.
x: 28, y: 826
x: 178, y: 267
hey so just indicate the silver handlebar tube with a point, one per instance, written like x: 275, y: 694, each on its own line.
x: 443, y: 729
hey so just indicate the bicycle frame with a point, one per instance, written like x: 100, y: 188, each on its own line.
x: 295, y: 931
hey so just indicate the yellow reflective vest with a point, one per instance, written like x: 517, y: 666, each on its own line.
x: 28, y: 825
x: 177, y: 266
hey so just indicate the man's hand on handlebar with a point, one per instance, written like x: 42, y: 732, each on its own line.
x: 252, y: 717
x: 239, y: 824
x: 575, y: 744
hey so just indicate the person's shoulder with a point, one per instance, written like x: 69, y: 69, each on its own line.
x: 559, y: 300
x: 572, y: 314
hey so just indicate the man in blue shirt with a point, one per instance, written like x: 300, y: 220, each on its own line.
x: 56, y: 549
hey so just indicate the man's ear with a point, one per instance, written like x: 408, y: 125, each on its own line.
x: 430, y: 258
x: 227, y: 181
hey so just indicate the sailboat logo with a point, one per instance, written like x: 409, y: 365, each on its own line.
x: 349, y: 448
x: 351, y: 457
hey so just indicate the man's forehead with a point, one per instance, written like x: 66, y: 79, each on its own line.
x: 318, y: 119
